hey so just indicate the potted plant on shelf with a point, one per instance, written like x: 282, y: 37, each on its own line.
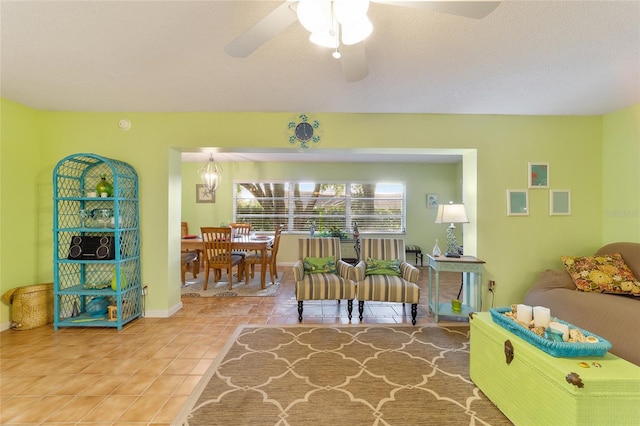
x: 334, y: 232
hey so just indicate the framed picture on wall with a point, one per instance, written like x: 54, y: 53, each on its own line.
x: 432, y: 201
x: 204, y: 196
x: 517, y: 202
x: 560, y: 202
x: 538, y: 175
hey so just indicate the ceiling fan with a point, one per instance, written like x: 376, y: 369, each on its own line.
x: 351, y: 53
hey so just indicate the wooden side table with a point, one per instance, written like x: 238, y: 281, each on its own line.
x: 464, y: 264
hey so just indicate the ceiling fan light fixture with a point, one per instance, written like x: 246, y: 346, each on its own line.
x: 315, y: 15
x: 325, y: 39
x: 349, y: 11
x: 356, y: 32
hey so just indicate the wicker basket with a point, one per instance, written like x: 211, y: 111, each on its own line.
x: 31, y: 306
x: 556, y: 349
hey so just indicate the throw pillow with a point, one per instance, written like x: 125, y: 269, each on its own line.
x: 324, y: 265
x: 382, y: 267
x: 606, y: 273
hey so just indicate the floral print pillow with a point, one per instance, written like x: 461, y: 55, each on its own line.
x: 606, y: 273
x: 320, y: 265
x: 383, y: 267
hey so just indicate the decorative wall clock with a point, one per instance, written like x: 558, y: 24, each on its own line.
x: 304, y: 131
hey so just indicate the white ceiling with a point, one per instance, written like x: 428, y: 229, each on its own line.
x: 526, y: 57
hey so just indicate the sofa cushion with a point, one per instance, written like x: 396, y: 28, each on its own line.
x: 323, y: 265
x: 606, y: 273
x: 555, y: 278
x: 630, y: 253
x: 383, y: 267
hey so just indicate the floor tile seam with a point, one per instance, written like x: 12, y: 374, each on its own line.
x: 111, y: 395
x: 42, y: 397
x: 71, y: 400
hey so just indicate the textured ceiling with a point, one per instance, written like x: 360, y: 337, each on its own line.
x: 526, y: 57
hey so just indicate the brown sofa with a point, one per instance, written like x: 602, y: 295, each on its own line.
x: 614, y: 317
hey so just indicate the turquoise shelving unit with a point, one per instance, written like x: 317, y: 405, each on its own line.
x: 96, y: 255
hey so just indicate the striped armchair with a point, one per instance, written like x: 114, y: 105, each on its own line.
x: 386, y: 288
x: 321, y: 285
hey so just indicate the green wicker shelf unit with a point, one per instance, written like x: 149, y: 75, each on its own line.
x: 96, y: 243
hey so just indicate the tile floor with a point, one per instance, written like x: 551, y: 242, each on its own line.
x: 143, y: 374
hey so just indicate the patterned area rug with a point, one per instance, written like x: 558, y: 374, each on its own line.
x: 359, y: 375
x: 195, y: 286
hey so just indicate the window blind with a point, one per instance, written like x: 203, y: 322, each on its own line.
x: 377, y: 207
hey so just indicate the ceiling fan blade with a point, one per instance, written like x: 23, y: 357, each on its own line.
x: 354, y: 62
x: 262, y: 31
x: 476, y: 9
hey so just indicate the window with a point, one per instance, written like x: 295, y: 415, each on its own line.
x: 377, y: 207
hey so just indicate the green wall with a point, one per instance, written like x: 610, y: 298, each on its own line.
x: 21, y: 172
x: 621, y: 180
x: 497, y: 148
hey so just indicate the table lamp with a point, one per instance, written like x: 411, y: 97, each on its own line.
x: 451, y: 213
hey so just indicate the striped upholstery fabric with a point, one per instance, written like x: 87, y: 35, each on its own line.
x: 386, y: 288
x: 325, y: 287
x: 382, y: 248
x: 320, y: 286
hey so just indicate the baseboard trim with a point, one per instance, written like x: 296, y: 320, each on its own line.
x: 163, y: 313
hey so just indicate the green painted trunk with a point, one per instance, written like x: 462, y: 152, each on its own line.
x: 533, y: 390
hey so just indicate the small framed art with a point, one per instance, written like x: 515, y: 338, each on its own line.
x: 538, y: 175
x: 559, y: 202
x: 432, y: 201
x: 204, y: 196
x: 517, y: 202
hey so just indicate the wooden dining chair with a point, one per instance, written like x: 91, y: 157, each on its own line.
x: 254, y: 258
x: 216, y: 246
x: 189, y: 260
x: 242, y: 229
x: 184, y: 231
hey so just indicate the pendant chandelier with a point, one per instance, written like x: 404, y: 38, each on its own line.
x: 211, y: 174
x: 332, y: 22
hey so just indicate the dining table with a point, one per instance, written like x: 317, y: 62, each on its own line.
x: 259, y: 243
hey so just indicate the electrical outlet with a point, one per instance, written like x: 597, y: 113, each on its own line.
x: 492, y: 285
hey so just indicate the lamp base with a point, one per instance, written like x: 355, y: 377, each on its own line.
x: 452, y: 243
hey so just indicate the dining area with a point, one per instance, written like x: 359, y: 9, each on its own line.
x: 223, y: 249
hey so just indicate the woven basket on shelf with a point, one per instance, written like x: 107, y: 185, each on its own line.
x: 31, y: 306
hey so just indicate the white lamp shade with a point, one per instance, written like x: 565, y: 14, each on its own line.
x: 451, y: 213
x: 315, y: 15
x: 324, y: 39
x: 357, y: 31
x: 350, y: 11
